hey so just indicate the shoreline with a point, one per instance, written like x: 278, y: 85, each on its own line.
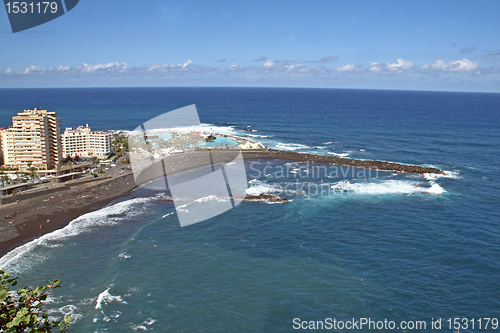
x: 32, y: 218
x: 29, y: 219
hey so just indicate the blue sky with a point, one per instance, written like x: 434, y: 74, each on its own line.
x: 420, y: 45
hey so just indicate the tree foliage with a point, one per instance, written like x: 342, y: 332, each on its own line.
x: 22, y: 310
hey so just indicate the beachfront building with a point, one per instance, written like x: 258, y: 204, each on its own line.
x: 34, y: 139
x: 1, y: 146
x: 82, y: 141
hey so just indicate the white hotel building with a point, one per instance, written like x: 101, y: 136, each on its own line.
x: 83, y: 142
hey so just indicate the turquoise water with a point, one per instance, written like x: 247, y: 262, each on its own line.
x: 220, y: 142
x: 164, y: 136
x: 347, y: 244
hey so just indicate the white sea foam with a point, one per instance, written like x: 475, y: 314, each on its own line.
x: 338, y: 154
x: 386, y: 187
x: 25, y: 256
x: 447, y: 174
x: 106, y: 298
x: 435, y: 189
x: 430, y: 176
x: 149, y: 321
x: 291, y: 146
x: 70, y: 309
x: 261, y: 188
x: 182, y: 208
x: 138, y: 327
x: 211, y: 198
x: 257, y: 136
x: 141, y: 327
x: 451, y: 174
x: 203, y: 128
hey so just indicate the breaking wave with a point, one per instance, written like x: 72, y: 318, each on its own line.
x: 25, y: 256
x: 291, y: 146
x: 105, y: 297
x: 338, y: 154
x: 261, y: 187
x: 390, y: 186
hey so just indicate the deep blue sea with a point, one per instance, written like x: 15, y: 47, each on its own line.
x: 384, y: 246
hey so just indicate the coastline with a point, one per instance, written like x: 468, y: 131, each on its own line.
x: 29, y: 219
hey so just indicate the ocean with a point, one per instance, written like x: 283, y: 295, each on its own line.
x: 380, y: 246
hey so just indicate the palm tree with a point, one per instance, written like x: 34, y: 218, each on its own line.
x: 58, y: 168
x: 31, y: 169
x: 4, y: 178
x: 94, y: 161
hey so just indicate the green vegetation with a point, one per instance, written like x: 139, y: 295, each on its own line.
x: 102, y: 171
x: 120, y: 144
x: 4, y: 178
x: 22, y: 311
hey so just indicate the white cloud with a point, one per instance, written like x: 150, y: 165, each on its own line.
x: 237, y: 69
x: 187, y: 64
x: 400, y: 66
x: 376, y: 67
x: 284, y: 67
x: 34, y: 70
x: 297, y: 68
x: 100, y: 68
x: 113, y: 68
x: 187, y: 67
x: 347, y: 68
x: 462, y: 65
x: 269, y: 64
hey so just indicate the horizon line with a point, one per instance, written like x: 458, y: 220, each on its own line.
x: 256, y: 87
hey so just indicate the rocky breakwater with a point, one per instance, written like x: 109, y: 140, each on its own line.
x: 367, y: 164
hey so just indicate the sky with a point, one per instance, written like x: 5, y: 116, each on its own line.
x: 411, y: 45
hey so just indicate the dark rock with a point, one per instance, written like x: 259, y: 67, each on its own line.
x: 266, y: 197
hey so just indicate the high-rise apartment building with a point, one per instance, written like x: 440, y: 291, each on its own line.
x: 33, y: 139
x: 82, y: 141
